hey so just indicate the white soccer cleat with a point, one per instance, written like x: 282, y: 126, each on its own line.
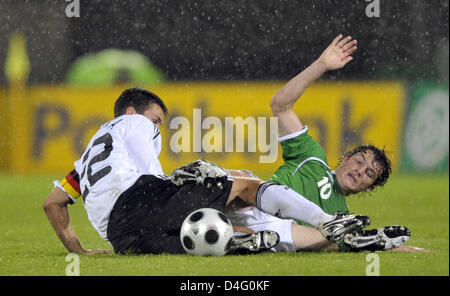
x: 381, y: 239
x: 199, y: 171
x: 256, y: 242
x: 342, y: 224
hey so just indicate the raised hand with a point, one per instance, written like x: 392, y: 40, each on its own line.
x: 338, y: 53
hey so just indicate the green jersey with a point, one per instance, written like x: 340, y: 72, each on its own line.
x: 306, y: 171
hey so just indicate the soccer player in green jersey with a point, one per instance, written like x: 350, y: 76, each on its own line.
x: 305, y: 168
x: 306, y: 171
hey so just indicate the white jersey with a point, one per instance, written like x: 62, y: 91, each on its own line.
x: 121, y: 151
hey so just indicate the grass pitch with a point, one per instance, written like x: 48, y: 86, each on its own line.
x: 28, y: 245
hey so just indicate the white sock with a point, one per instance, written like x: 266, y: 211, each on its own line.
x: 283, y: 202
x: 238, y: 233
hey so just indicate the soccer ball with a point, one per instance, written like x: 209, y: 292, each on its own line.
x: 206, y: 232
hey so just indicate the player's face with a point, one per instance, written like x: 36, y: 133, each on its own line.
x: 358, y: 172
x: 155, y: 114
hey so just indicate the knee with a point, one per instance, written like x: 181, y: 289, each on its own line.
x: 249, y: 190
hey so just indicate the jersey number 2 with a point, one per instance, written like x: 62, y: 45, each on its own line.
x: 106, y: 139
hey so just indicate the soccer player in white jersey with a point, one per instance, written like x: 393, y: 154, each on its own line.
x: 138, y: 209
x: 131, y: 102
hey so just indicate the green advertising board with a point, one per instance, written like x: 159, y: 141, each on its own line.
x: 425, y: 141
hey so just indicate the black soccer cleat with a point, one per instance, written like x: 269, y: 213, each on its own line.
x: 199, y: 171
x: 381, y: 239
x: 253, y: 243
x: 342, y: 224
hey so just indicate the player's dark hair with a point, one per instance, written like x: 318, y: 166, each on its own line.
x: 138, y: 98
x: 380, y: 156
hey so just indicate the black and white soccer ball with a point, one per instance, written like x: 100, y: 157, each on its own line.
x: 206, y: 232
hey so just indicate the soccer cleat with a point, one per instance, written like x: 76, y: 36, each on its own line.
x: 342, y: 224
x: 381, y: 239
x: 199, y: 171
x: 252, y: 243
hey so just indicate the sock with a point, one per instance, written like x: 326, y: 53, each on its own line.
x: 283, y: 202
x: 238, y: 233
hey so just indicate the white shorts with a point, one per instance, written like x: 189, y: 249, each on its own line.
x: 255, y: 219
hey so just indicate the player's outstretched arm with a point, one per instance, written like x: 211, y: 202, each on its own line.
x: 334, y: 57
x: 55, y: 207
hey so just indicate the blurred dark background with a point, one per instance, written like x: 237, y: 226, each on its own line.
x: 233, y: 40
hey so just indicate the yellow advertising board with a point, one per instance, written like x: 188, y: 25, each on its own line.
x: 4, y: 130
x: 228, y: 123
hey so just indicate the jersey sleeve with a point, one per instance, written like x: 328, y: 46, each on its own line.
x: 71, y: 185
x: 300, y: 145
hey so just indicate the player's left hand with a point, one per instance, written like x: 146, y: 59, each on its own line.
x: 410, y: 249
x: 338, y: 53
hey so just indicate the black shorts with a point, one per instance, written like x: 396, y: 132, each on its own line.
x: 147, y: 217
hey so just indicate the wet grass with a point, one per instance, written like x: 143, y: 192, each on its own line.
x: 28, y: 245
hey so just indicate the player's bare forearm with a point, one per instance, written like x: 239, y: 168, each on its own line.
x: 286, y: 97
x: 56, y: 209
x: 335, y: 56
x: 283, y: 101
